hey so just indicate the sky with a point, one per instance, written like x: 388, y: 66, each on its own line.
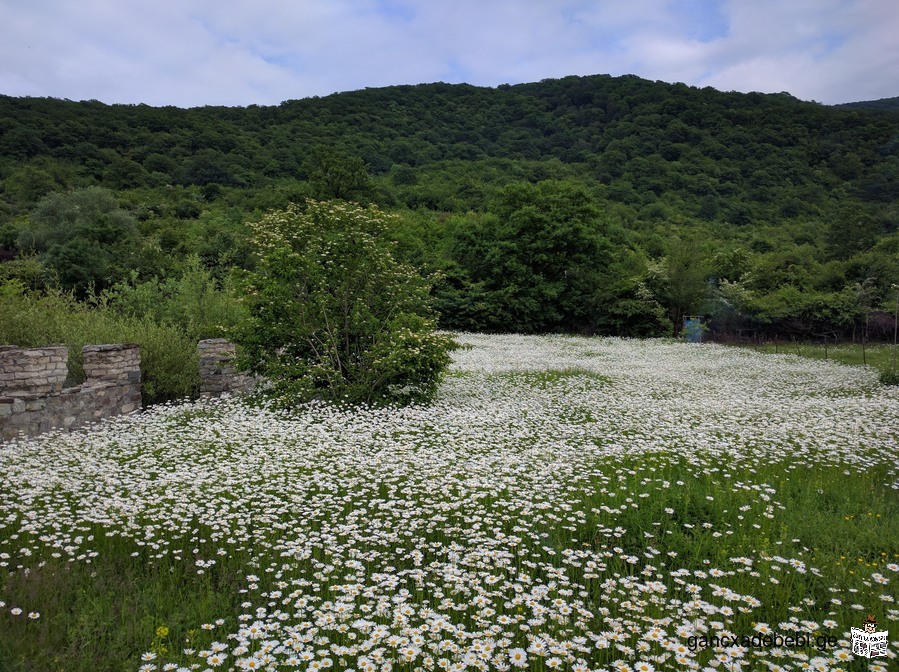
x: 191, y: 53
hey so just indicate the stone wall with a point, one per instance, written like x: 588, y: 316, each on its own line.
x: 33, y: 370
x: 32, y: 397
x: 217, y: 373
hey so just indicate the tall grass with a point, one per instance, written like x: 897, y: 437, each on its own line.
x: 169, y: 359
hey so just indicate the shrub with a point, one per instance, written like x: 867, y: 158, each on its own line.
x: 194, y: 302
x: 889, y: 377
x: 169, y: 360
x: 333, y: 315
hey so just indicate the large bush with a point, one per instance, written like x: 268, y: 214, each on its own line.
x: 333, y: 315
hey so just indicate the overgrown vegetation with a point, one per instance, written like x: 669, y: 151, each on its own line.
x: 168, y: 347
x: 596, y: 204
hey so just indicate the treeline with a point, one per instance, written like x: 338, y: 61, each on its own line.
x: 589, y: 204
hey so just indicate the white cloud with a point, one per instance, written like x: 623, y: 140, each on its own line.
x: 195, y: 52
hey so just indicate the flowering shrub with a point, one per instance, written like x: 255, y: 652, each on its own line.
x: 334, y: 316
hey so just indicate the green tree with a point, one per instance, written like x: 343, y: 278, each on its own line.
x: 32, y: 181
x: 336, y: 175
x: 84, y: 236
x: 851, y: 231
x: 124, y: 174
x: 536, y: 261
x: 680, y: 279
x: 333, y: 315
x: 632, y: 310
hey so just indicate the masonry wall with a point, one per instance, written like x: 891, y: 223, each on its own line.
x: 32, y: 397
x: 217, y: 373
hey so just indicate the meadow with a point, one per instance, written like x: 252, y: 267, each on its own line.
x: 567, y: 503
x: 879, y: 355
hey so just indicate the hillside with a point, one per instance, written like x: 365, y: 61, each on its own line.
x: 805, y: 193
x: 738, y: 148
x: 882, y: 104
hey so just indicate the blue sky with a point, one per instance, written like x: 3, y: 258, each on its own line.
x: 241, y: 52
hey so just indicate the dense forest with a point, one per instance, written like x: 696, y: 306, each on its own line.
x: 598, y: 204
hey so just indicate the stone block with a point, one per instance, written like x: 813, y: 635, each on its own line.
x: 37, y: 370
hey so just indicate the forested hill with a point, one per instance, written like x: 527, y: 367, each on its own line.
x: 730, y: 155
x: 884, y: 104
x: 804, y: 194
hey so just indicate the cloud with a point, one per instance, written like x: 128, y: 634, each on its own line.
x: 196, y: 52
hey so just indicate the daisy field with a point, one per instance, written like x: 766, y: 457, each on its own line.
x: 567, y: 503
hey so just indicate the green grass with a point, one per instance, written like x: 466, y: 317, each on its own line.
x: 547, y: 378
x: 878, y: 356
x: 106, y: 611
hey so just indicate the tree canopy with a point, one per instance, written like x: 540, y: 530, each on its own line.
x: 599, y: 203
